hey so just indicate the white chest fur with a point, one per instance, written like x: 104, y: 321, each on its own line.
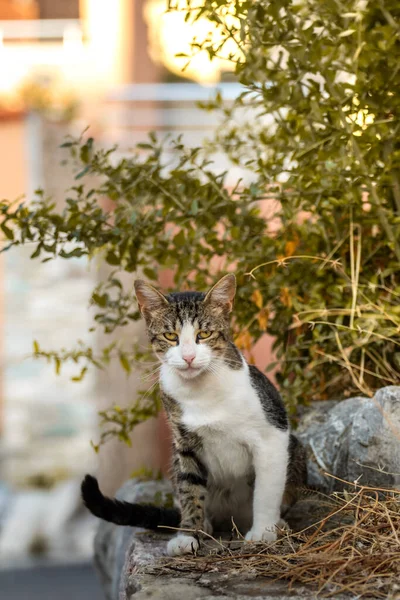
x: 237, y: 442
x: 226, y: 457
x: 226, y: 413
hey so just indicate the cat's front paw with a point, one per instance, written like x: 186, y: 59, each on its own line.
x: 182, y: 544
x: 262, y: 534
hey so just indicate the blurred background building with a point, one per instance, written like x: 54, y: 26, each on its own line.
x: 66, y: 65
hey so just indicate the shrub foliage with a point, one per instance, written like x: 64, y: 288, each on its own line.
x: 321, y: 144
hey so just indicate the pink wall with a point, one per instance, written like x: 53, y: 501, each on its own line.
x: 13, y: 183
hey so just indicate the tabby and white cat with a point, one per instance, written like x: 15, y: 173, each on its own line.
x: 234, y: 458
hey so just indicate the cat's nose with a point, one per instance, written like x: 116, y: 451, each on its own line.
x: 189, y: 358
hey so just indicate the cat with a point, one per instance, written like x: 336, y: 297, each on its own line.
x: 234, y: 458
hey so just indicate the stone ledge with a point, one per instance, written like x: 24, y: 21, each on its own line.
x: 351, y: 438
x: 151, y: 575
x: 133, y: 565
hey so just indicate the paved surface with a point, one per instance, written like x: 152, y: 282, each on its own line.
x: 71, y: 582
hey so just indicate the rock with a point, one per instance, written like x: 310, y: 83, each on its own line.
x: 356, y: 439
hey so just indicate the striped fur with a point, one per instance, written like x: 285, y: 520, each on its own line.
x: 234, y: 458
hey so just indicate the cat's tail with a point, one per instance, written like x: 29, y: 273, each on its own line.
x: 126, y: 513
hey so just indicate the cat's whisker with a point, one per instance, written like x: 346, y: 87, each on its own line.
x: 154, y: 369
x: 149, y: 362
x: 220, y: 362
x: 148, y: 376
x: 214, y: 370
x: 149, y: 390
x: 226, y: 361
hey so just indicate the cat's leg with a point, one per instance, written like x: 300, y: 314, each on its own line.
x: 296, y: 480
x: 191, y: 485
x: 270, y: 465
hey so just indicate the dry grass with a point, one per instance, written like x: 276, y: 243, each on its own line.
x: 355, y: 549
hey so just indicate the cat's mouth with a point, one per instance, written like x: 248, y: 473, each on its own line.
x: 190, y: 371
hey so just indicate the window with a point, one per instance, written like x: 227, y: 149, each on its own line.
x: 16, y: 10
x: 60, y: 9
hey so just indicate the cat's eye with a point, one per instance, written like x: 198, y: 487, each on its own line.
x: 170, y: 336
x: 203, y: 335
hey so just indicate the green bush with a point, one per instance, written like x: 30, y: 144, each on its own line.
x: 325, y: 283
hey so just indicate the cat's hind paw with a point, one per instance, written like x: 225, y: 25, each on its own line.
x: 182, y: 544
x: 262, y: 534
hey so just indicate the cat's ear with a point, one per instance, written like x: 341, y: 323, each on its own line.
x: 223, y: 292
x: 149, y: 299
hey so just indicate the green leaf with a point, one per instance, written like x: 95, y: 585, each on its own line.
x: 126, y: 365
x: 57, y: 365
x: 179, y: 240
x: 96, y: 447
x: 85, y: 152
x: 112, y: 258
x: 76, y: 252
x: 80, y: 376
x: 346, y: 33
x: 100, y: 299
x: 7, y: 231
x: 37, y: 252
x: 83, y: 172
x: 150, y: 273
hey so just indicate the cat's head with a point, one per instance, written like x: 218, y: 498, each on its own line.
x: 189, y: 331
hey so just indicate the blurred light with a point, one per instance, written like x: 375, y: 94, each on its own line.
x: 105, y: 29
x: 362, y: 118
x: 72, y: 41
x: 171, y: 35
